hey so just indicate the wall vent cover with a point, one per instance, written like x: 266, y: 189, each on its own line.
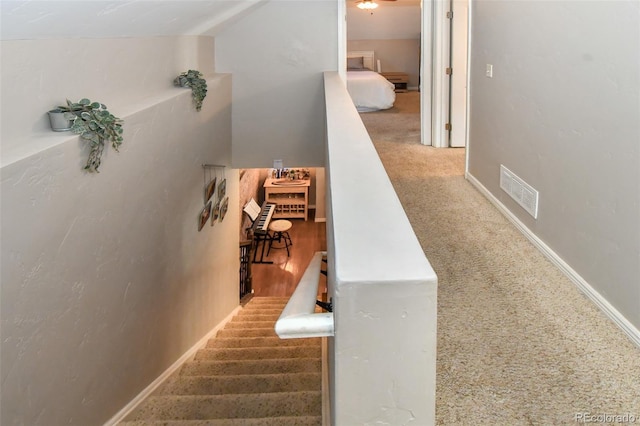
x: 519, y: 190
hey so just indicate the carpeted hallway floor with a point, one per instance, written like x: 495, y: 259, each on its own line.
x: 518, y: 343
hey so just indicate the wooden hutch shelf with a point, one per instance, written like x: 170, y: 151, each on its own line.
x: 290, y: 196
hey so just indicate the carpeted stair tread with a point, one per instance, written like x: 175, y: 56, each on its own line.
x: 233, y: 325
x: 260, y: 421
x: 238, y: 367
x: 267, y: 305
x: 258, y: 353
x: 253, y: 332
x: 262, y: 311
x: 245, y: 376
x: 259, y: 299
x: 255, y: 317
x: 200, y: 407
x: 249, y: 342
x: 248, y: 383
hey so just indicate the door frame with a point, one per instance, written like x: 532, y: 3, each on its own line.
x: 434, y: 42
x: 436, y: 57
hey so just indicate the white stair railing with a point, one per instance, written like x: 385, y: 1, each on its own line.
x: 299, y: 319
x: 382, y: 356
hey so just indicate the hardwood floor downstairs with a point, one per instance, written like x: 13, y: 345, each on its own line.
x: 280, y: 278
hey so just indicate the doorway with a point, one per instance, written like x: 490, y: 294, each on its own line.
x: 445, y: 66
x: 443, y: 44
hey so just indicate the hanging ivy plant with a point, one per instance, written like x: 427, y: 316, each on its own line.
x: 198, y: 85
x: 95, y: 125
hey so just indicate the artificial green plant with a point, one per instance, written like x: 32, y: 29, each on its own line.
x: 198, y: 85
x: 95, y: 125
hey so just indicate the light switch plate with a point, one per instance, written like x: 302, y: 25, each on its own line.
x: 489, y: 72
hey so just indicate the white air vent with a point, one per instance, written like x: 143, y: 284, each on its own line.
x: 519, y: 190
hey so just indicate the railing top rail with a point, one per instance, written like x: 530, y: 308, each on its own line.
x: 370, y: 235
x: 299, y: 319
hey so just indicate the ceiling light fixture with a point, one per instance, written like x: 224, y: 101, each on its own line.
x: 367, y: 5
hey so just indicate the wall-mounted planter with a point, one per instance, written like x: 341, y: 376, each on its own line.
x: 93, y: 122
x: 59, y: 122
x: 193, y: 79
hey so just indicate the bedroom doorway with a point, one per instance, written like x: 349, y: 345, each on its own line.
x: 442, y: 44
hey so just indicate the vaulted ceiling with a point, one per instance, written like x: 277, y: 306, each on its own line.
x: 37, y: 19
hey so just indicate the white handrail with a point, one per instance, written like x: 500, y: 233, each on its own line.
x: 298, y: 318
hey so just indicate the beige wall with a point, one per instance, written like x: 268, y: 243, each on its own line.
x: 561, y: 112
x: 106, y: 280
x: 277, y: 55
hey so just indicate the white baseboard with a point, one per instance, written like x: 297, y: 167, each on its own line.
x: 133, y: 404
x: 602, y: 303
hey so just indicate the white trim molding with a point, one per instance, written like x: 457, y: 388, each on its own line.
x: 603, y: 304
x: 146, y: 392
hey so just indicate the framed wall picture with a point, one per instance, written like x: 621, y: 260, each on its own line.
x: 210, y: 189
x: 204, y: 215
x: 224, y: 207
x: 222, y: 189
x: 215, y: 214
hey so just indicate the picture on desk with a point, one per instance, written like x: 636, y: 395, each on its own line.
x: 222, y: 189
x: 204, y: 216
x: 209, y: 189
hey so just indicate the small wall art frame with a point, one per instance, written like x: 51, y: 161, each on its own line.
x: 210, y: 189
x: 222, y: 189
x: 204, y: 216
x: 224, y: 206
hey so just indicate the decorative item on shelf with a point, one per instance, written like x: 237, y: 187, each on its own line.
x: 198, y: 85
x: 95, y: 125
x: 61, y: 118
x: 291, y: 174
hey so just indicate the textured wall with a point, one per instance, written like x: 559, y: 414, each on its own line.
x: 278, y: 105
x: 561, y: 112
x: 105, y: 279
x: 389, y: 21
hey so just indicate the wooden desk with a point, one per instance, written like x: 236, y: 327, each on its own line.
x: 399, y: 79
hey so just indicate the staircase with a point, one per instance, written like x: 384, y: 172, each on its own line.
x: 246, y: 375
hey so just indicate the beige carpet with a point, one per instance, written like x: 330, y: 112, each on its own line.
x: 245, y: 376
x: 518, y: 343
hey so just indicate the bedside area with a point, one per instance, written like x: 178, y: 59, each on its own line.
x: 399, y: 80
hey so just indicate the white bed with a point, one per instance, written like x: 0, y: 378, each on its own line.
x: 369, y: 90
